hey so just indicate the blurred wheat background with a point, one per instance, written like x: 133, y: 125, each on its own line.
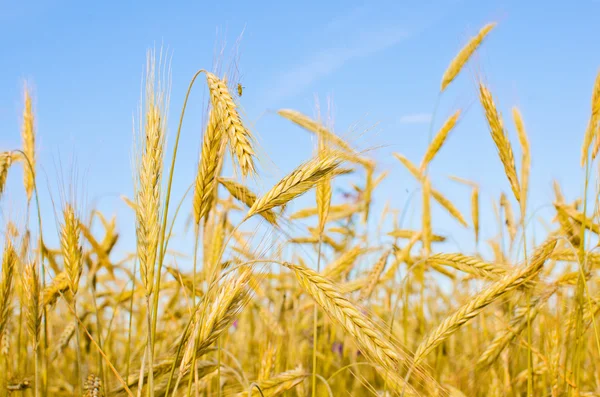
x: 317, y: 282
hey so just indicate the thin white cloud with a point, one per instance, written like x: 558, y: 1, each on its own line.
x: 325, y: 62
x: 415, y: 118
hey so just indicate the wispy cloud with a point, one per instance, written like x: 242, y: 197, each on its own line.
x: 415, y: 118
x: 327, y: 61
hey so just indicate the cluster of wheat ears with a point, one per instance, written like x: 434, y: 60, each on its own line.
x: 335, y: 313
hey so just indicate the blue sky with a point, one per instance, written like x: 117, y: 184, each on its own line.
x: 381, y: 62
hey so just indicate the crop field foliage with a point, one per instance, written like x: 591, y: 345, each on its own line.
x: 274, y: 300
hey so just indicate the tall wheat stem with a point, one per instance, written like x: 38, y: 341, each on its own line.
x: 161, y: 241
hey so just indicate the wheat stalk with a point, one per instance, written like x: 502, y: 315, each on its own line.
x: 28, y: 137
x: 591, y: 131
x: 408, y: 234
x: 448, y: 206
x: 207, y: 167
x: 490, y: 294
x: 525, y: 157
x: 469, y: 264
x: 57, y: 287
x: 149, y: 175
x: 313, y: 126
x: 426, y: 218
x: 296, y: 183
x: 438, y: 141
x: 475, y: 212
x: 31, y: 286
x: 500, y: 139
x: 9, y: 262
x: 6, y: 159
x: 246, y: 196
x: 342, y: 264
x: 374, y: 276
x: 278, y: 384
x: 463, y: 56
x: 372, y: 342
x: 509, y: 217
x: 524, y: 316
x: 323, y: 189
x: 409, y: 166
x: 71, y: 247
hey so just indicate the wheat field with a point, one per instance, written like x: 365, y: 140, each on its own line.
x: 326, y: 300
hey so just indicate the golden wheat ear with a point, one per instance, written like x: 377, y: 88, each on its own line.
x: 208, y: 165
x: 459, y: 61
x: 9, y: 263
x: 500, y: 139
x: 6, y: 160
x: 240, y: 138
x: 28, y: 137
x: 297, y: 183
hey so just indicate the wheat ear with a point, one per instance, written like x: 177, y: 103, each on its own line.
x: 493, y: 292
x: 475, y: 212
x: 207, y: 167
x: 6, y: 160
x: 298, y: 182
x: 500, y: 139
x: 463, y: 56
x: 373, y: 343
x: 438, y: 141
x: 246, y: 196
x: 71, y: 247
x: 31, y: 285
x: 240, y: 139
x: 9, y: 262
x: 149, y: 175
x: 591, y: 131
x: 28, y: 137
x: 469, y: 264
x: 525, y: 157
